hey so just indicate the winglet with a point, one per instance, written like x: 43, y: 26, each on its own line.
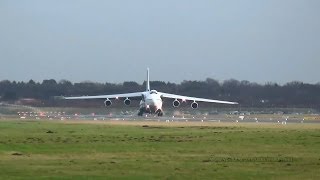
x: 148, y: 81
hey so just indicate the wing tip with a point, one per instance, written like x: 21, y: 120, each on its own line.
x: 59, y: 97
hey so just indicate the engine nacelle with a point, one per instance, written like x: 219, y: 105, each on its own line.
x: 107, y: 102
x: 176, y: 103
x: 127, y: 102
x: 194, y: 105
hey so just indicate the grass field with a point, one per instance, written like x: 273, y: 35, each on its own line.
x: 157, y: 150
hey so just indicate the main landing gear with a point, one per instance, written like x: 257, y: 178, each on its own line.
x: 142, y: 110
x: 140, y: 113
x: 159, y: 112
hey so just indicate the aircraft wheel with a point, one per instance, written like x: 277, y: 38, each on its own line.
x: 140, y: 113
x: 160, y: 113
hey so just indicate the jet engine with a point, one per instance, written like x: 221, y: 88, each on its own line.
x: 127, y: 101
x: 176, y: 103
x: 107, y: 102
x: 194, y: 105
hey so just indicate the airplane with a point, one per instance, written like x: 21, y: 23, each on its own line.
x: 151, y: 100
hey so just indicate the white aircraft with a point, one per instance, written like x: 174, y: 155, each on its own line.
x: 151, y: 100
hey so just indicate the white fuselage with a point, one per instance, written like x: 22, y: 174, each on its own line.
x: 151, y: 101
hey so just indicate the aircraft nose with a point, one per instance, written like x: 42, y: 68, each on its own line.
x: 153, y: 102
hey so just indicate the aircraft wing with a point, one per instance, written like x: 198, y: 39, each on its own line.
x: 187, y: 98
x: 112, y: 96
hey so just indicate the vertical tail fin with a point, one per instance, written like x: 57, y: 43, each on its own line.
x: 148, y: 83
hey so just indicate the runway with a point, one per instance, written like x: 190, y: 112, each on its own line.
x: 200, y: 119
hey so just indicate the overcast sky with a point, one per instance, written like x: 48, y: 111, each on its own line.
x: 115, y: 41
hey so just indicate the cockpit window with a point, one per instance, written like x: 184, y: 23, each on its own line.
x: 153, y: 92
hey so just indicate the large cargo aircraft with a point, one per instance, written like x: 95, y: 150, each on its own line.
x: 151, y: 100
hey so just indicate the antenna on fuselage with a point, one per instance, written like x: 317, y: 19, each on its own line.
x: 148, y: 81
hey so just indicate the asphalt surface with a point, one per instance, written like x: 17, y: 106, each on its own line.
x: 279, y: 120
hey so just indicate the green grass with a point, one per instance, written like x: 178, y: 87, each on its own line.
x: 157, y: 151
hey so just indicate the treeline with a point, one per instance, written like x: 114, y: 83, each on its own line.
x: 248, y: 94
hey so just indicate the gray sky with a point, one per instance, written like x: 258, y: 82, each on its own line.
x: 115, y: 41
